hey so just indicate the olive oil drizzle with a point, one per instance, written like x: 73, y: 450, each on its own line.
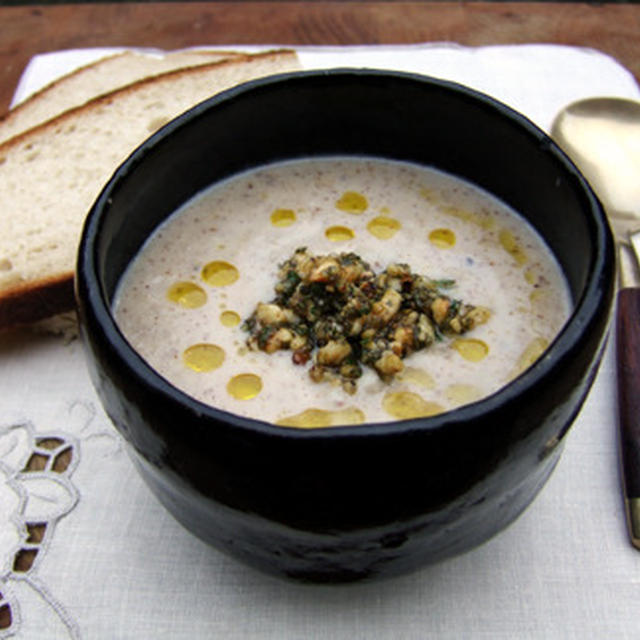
x: 283, y: 217
x: 442, y: 238
x: 187, y: 294
x: 219, y: 273
x: 339, y: 233
x: 383, y: 227
x: 229, y: 319
x: 405, y: 405
x: 203, y: 357
x: 314, y: 418
x: 352, y: 202
x: 244, y: 386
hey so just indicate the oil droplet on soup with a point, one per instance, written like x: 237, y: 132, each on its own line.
x: 512, y: 246
x: 219, y: 273
x: 229, y: 319
x: 459, y: 394
x: 429, y: 195
x: 339, y: 234
x: 532, y: 276
x: 244, y: 386
x: 442, y: 238
x: 352, y: 202
x: 471, y: 349
x: 203, y: 357
x: 313, y: 418
x: 417, y: 377
x: 532, y: 352
x: 187, y: 294
x: 540, y: 298
x: 283, y: 217
x: 482, y: 219
x: 383, y: 227
x: 406, y: 405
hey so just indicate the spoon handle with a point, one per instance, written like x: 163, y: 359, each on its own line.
x: 628, y: 363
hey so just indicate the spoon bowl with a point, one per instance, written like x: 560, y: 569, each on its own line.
x: 602, y: 136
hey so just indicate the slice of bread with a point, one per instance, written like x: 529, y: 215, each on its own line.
x: 95, y: 79
x: 51, y: 175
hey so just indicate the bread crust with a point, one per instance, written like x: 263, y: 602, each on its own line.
x: 29, y: 303
x: 129, y: 89
x: 43, y: 91
x: 46, y: 96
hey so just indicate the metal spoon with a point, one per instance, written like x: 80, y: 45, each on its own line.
x: 602, y: 137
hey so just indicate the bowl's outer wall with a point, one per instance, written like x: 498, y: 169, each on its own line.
x: 370, y: 500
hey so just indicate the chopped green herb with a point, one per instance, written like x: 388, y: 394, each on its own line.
x: 444, y: 283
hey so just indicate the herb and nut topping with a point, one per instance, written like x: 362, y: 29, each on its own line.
x: 335, y: 311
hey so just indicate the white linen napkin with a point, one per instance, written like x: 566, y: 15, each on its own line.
x: 111, y: 563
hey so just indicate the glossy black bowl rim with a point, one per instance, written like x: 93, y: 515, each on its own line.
x: 565, y: 342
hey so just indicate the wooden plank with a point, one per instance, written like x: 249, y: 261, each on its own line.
x: 27, y: 30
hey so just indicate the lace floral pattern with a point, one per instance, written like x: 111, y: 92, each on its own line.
x: 36, y: 493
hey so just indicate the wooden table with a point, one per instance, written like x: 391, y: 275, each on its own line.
x: 28, y: 30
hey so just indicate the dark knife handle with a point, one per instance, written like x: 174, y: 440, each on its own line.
x: 628, y: 361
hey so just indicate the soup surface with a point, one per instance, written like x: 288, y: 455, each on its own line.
x: 185, y: 300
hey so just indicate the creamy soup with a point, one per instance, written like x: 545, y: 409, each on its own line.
x: 185, y: 300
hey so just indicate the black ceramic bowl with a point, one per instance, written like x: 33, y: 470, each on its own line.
x: 348, y: 503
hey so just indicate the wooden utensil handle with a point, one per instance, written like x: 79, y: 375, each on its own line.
x: 628, y: 360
